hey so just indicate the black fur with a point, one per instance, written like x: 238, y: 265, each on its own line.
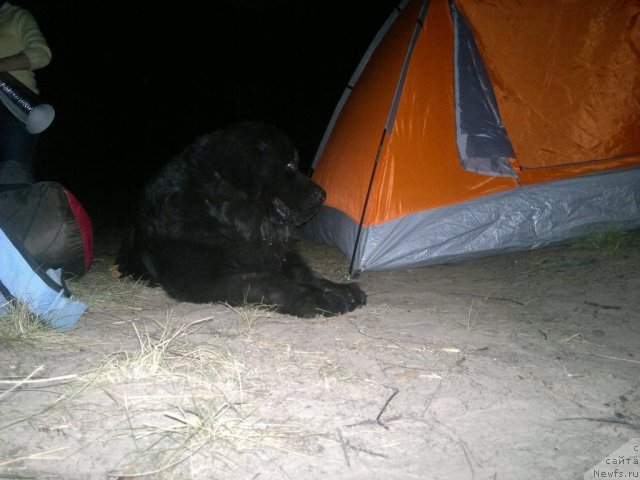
x: 216, y: 225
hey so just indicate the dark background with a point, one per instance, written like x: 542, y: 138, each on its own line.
x: 134, y: 82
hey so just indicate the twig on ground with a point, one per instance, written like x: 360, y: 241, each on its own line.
x: 344, y: 449
x: 431, y: 397
x: 633, y: 425
x: 568, y: 339
x: 384, y: 407
x: 17, y: 383
x: 29, y: 457
x: 604, y: 307
x: 487, y: 297
x: 614, y: 358
x: 378, y: 420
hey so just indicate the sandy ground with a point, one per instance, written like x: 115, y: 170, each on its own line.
x: 520, y: 366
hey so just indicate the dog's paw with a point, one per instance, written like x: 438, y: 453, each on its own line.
x: 345, y: 297
x: 329, y: 300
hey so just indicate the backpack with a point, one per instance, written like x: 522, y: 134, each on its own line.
x: 46, y: 236
x: 50, y: 224
x: 41, y: 290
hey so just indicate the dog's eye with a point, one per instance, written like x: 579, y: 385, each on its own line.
x: 291, y: 166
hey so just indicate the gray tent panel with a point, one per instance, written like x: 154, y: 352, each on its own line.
x: 521, y: 219
x: 483, y: 143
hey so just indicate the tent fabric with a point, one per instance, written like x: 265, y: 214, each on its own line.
x: 465, y: 104
x: 419, y: 156
x: 566, y: 76
x: 530, y: 217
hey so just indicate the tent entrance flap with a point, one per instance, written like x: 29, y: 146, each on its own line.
x: 483, y: 143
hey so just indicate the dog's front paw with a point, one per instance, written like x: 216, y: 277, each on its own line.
x: 329, y: 299
x: 346, y: 297
x: 333, y: 299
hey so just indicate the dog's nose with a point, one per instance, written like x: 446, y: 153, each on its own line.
x: 319, y: 194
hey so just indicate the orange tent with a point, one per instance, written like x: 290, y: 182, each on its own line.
x: 474, y: 127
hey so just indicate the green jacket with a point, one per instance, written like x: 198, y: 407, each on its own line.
x: 19, y: 32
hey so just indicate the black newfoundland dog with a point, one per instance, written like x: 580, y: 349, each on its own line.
x: 216, y: 226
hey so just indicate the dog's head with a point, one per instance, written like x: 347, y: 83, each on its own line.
x: 261, y: 162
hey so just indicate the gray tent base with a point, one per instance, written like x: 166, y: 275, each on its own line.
x: 521, y: 219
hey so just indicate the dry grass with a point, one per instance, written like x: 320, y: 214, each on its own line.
x: 19, y: 328
x: 101, y: 289
x: 250, y: 315
x: 165, y: 354
x: 183, y: 403
x: 610, y: 242
x: 168, y: 406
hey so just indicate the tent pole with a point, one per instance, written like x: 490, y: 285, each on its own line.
x: 355, y: 77
x: 388, y: 126
x: 351, y: 273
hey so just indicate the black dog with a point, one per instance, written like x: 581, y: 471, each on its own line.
x: 216, y: 225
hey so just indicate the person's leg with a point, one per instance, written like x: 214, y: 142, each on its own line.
x: 17, y: 150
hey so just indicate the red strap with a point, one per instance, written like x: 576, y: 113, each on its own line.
x: 84, y: 224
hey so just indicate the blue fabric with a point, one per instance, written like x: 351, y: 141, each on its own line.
x: 483, y: 143
x: 42, y: 292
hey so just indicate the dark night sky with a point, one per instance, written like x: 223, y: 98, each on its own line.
x: 135, y: 82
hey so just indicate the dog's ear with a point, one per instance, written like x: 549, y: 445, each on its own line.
x: 200, y: 149
x: 202, y: 156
